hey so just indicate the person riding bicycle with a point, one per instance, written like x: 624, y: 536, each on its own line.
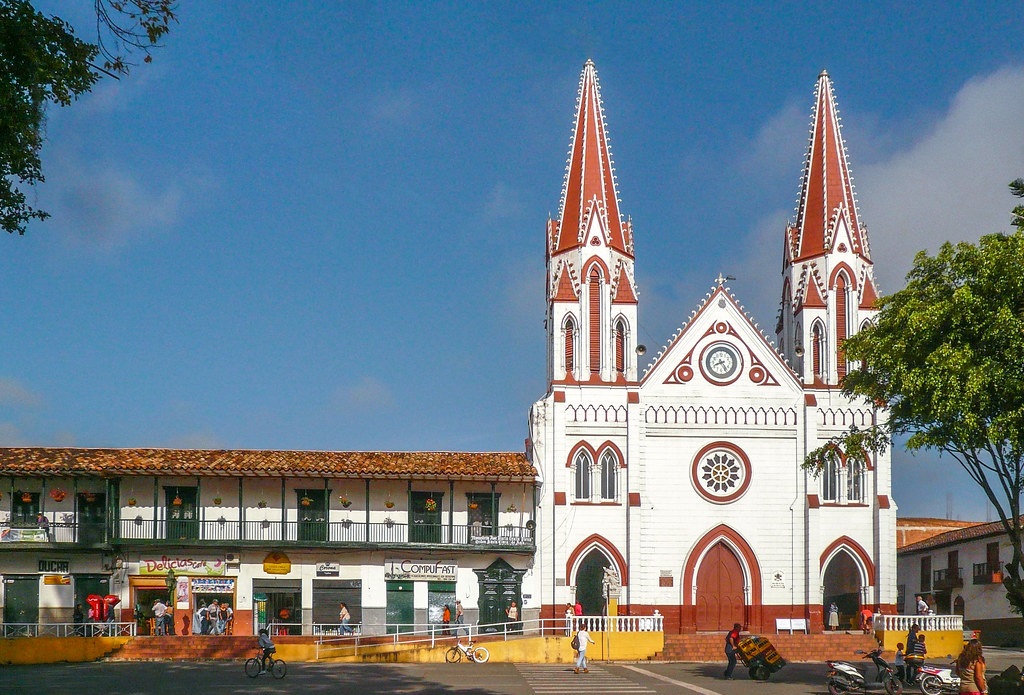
x: 267, y: 645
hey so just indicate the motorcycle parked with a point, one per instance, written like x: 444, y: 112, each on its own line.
x: 935, y: 680
x: 844, y: 677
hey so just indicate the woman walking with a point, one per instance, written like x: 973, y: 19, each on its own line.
x: 971, y: 667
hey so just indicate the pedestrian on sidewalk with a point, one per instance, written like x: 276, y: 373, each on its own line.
x: 732, y: 642
x: 582, y: 641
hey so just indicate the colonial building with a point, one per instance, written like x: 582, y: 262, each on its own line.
x: 684, y: 482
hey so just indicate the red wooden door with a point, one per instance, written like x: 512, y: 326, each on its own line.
x: 719, y: 590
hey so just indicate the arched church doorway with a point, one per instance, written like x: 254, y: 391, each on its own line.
x: 589, y: 587
x: 842, y: 587
x: 719, y: 589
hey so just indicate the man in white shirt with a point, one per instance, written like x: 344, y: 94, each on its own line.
x: 922, y: 607
x: 159, y: 610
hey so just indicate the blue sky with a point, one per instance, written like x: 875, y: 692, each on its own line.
x: 321, y: 225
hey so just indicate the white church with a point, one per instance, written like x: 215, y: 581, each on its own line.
x: 684, y: 481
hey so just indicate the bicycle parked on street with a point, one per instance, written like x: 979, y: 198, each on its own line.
x: 454, y: 654
x: 275, y: 667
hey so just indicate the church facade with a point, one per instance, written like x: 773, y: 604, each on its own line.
x: 683, y: 482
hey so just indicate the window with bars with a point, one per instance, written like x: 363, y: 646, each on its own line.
x: 620, y: 347
x: 569, y: 333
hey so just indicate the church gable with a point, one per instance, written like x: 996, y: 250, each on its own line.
x: 719, y: 347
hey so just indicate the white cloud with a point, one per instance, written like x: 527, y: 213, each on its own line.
x: 14, y: 393
x: 105, y: 206
x: 368, y: 394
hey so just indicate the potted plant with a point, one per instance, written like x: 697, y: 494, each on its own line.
x: 91, y: 496
x: 26, y: 497
x: 345, y: 501
x: 132, y: 501
x: 262, y: 504
x: 221, y: 520
x: 430, y: 505
x: 306, y: 501
x: 474, y: 505
x: 512, y: 508
x: 57, y: 495
x: 176, y: 501
x: 389, y: 504
x: 389, y: 521
x: 217, y: 500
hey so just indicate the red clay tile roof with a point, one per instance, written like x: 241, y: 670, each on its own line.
x: 960, y: 535
x: 45, y: 461
x: 916, y: 529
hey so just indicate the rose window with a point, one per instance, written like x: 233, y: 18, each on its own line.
x: 720, y: 473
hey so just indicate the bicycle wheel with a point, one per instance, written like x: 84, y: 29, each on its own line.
x: 481, y: 655
x: 279, y: 669
x: 252, y: 667
x: 453, y: 655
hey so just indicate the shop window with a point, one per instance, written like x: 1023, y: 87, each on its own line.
x: 439, y: 595
x: 277, y: 605
x: 328, y: 595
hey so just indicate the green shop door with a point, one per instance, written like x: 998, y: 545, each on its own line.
x: 400, y: 613
x: 21, y: 599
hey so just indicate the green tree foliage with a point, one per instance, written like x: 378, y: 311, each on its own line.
x: 42, y: 62
x: 946, y: 356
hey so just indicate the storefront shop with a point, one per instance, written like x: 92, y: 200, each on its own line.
x: 173, y: 580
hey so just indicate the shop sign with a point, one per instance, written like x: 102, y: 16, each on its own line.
x: 55, y: 566
x: 277, y: 563
x: 56, y: 579
x: 23, y: 535
x: 421, y: 570
x: 181, y: 565
x: 328, y: 569
x: 213, y: 586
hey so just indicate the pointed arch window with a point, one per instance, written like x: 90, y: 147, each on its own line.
x: 855, y: 479
x: 818, y: 349
x: 609, y: 475
x: 620, y: 347
x: 569, y: 344
x: 842, y: 321
x: 582, y: 469
x: 594, y: 289
x: 830, y: 481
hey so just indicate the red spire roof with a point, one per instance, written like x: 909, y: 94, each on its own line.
x: 589, y: 186
x: 826, y: 190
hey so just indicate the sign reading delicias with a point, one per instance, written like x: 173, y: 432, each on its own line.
x: 182, y: 565
x: 421, y: 570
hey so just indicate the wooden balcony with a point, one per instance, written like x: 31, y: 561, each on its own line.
x: 988, y: 573
x: 351, y: 534
x: 946, y: 579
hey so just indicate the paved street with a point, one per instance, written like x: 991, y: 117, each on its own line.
x: 145, y: 678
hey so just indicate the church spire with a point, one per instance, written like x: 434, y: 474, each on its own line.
x: 588, y: 192
x: 828, y: 290
x: 591, y: 287
x: 826, y: 188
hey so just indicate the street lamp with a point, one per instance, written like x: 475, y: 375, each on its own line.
x: 171, y: 582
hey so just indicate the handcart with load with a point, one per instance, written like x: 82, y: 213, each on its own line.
x: 758, y: 655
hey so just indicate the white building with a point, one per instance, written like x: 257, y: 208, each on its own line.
x: 961, y: 572
x: 686, y: 479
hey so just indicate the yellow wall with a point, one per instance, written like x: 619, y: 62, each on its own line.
x: 941, y: 644
x: 49, y: 650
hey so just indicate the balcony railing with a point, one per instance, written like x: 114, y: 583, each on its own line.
x: 946, y: 579
x: 988, y: 573
x: 86, y: 533
x: 323, y: 532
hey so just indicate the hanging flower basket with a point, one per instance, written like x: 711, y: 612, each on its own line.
x: 262, y: 504
x: 389, y: 521
x: 91, y: 496
x: 306, y: 501
x: 345, y: 501
x: 176, y: 501
x: 474, y: 505
x: 430, y: 505
x: 389, y: 504
x: 512, y: 508
x: 57, y: 494
x: 26, y: 497
x: 217, y: 500
x: 131, y: 501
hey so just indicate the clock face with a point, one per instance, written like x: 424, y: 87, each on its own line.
x: 721, y: 362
